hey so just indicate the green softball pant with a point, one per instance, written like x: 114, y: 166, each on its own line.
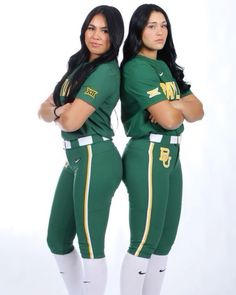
x: 82, y: 199
x: 153, y: 177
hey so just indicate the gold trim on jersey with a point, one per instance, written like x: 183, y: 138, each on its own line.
x: 86, y: 198
x: 65, y: 89
x: 170, y: 90
x: 153, y: 92
x: 150, y: 197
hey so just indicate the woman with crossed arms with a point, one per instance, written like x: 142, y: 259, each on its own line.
x: 155, y: 102
x: 81, y: 106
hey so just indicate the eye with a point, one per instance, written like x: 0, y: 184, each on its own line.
x: 90, y: 28
x: 105, y: 31
x: 151, y: 27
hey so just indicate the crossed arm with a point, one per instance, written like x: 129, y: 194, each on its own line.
x: 69, y: 117
x: 171, y: 114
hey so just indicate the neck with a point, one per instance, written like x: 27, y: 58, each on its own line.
x: 148, y: 53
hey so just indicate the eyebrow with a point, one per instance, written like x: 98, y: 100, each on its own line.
x: 91, y: 25
x: 164, y: 22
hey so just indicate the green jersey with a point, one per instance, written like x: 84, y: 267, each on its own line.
x: 145, y: 82
x: 101, y: 89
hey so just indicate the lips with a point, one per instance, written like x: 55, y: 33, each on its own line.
x: 93, y: 44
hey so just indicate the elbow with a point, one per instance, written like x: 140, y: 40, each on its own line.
x: 198, y: 116
x: 201, y: 115
x: 200, y: 112
x: 171, y: 126
x: 173, y: 123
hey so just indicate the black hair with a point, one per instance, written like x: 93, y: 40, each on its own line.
x: 133, y: 42
x: 116, y: 33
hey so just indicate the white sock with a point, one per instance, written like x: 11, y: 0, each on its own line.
x: 95, y: 276
x: 70, y: 268
x: 155, y: 275
x: 133, y: 272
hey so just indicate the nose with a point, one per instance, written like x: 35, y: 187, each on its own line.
x: 96, y: 34
x: 159, y: 30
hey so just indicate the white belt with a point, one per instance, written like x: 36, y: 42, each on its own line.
x: 174, y: 139
x: 86, y: 140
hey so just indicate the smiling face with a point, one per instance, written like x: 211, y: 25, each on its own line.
x: 97, y: 37
x: 154, y: 35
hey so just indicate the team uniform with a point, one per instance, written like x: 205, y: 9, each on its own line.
x: 151, y: 165
x: 93, y: 170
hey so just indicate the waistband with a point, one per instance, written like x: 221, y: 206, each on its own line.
x: 173, y: 139
x: 160, y: 138
x: 82, y: 141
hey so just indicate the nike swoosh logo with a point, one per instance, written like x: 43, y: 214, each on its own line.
x: 161, y: 74
x: 161, y: 270
x: 141, y: 273
x: 86, y: 282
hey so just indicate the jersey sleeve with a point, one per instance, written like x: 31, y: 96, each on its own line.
x: 99, y: 85
x: 142, y: 83
x: 186, y: 93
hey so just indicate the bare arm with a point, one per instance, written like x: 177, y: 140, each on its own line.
x: 166, y: 115
x: 46, y: 110
x: 190, y: 106
x: 75, y: 115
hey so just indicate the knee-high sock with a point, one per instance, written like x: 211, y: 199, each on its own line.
x: 95, y: 276
x: 155, y: 275
x: 133, y: 272
x: 70, y: 268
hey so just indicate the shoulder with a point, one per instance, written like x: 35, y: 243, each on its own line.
x: 108, y: 68
x: 137, y: 68
x: 163, y: 65
x: 135, y: 63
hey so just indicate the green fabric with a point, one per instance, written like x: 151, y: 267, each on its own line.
x: 144, y: 82
x: 154, y: 181
x: 101, y: 89
x: 68, y: 217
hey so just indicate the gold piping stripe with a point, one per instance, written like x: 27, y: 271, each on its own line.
x: 64, y: 87
x: 149, y: 209
x: 86, y: 197
x: 68, y: 88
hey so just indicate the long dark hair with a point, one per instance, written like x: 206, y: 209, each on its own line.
x: 116, y: 33
x: 133, y: 42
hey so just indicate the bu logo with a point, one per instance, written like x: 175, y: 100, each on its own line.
x: 165, y: 157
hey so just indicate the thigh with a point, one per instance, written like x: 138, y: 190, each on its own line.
x: 172, y: 212
x: 98, y: 175
x: 61, y: 229
x: 147, y: 182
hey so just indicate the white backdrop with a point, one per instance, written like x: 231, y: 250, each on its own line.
x: 37, y: 38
